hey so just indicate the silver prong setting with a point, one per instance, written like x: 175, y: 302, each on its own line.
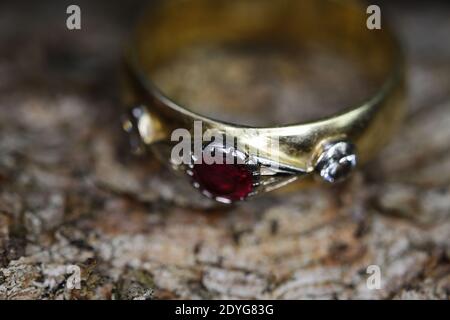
x: 336, y: 161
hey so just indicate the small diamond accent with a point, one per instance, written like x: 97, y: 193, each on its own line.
x: 337, y: 161
x: 130, y: 124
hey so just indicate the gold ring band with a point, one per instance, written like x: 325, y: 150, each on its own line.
x: 328, y: 145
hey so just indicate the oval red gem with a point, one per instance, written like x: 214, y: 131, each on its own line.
x: 228, y: 181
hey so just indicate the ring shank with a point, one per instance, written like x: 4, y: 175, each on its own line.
x: 330, y: 25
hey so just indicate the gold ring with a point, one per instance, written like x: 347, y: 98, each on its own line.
x: 264, y: 157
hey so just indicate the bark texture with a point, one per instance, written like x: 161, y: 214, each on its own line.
x: 70, y: 196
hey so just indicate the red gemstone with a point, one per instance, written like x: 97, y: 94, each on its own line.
x: 229, y: 181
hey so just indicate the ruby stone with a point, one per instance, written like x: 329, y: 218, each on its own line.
x: 228, y: 181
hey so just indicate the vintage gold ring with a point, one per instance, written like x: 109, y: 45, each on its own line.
x: 329, y: 147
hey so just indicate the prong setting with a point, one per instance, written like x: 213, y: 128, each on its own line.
x: 336, y: 161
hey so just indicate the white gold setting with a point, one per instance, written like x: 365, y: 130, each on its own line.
x: 337, y: 161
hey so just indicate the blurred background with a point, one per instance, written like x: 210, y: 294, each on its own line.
x: 70, y: 193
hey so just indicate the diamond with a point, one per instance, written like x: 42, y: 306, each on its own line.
x: 337, y: 161
x: 130, y: 124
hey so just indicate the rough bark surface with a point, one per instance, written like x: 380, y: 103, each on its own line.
x: 68, y: 196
